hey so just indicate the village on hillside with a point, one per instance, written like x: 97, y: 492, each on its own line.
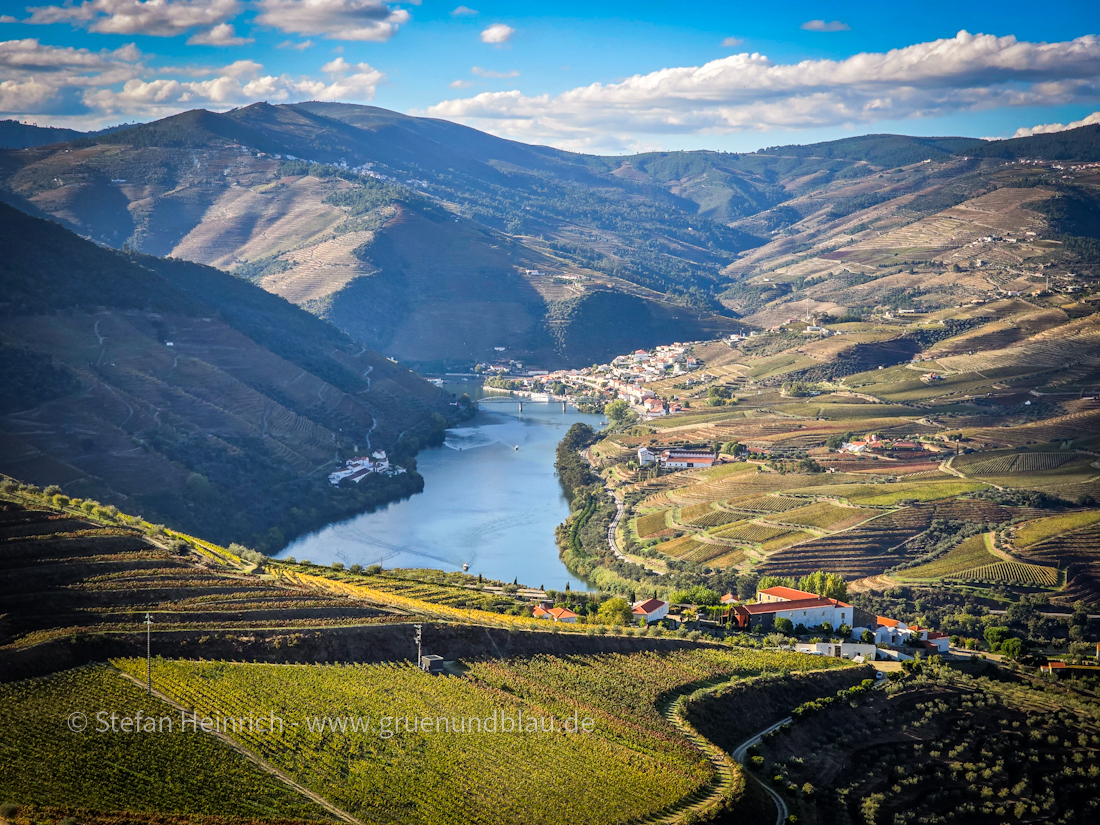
x: 834, y: 627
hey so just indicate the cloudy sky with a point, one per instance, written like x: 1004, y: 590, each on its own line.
x: 593, y: 76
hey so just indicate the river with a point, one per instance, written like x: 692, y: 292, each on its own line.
x: 485, y: 503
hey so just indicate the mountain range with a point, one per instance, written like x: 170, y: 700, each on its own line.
x: 440, y: 246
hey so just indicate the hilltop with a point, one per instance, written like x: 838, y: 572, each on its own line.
x: 175, y: 390
x: 409, y: 233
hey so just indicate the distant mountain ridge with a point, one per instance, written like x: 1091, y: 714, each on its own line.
x: 420, y: 237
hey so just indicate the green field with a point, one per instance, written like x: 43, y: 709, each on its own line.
x: 889, y: 495
x: 42, y: 762
x: 1012, y: 572
x: 651, y: 523
x: 825, y: 516
x: 1036, y: 531
x: 631, y: 764
x: 966, y: 556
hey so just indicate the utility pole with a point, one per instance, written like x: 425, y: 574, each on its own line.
x: 419, y: 661
x: 148, y: 654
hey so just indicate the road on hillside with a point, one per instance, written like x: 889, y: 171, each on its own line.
x: 620, y: 506
x: 739, y: 754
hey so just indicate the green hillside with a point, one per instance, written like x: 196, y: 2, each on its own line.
x: 193, y: 397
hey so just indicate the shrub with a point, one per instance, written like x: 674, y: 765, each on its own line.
x: 337, y: 565
x: 8, y: 810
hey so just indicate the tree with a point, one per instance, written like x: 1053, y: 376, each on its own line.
x: 995, y: 636
x: 696, y: 595
x: 1013, y: 648
x: 617, y: 411
x: 826, y: 627
x: 867, y: 637
x: 784, y: 626
x: 615, y: 612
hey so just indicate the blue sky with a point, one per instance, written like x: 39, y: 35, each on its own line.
x: 598, y: 76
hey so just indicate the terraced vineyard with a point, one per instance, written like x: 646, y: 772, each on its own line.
x: 171, y: 770
x: 751, y: 532
x: 824, y: 516
x: 704, y: 515
x: 1042, y: 529
x: 1078, y: 550
x: 416, y: 774
x: 1012, y: 572
x: 970, y: 555
x: 681, y: 547
x: 862, y: 551
x: 1027, y: 462
x: 60, y: 574
x: 652, y: 523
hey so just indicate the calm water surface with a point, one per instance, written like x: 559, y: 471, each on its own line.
x: 484, y: 503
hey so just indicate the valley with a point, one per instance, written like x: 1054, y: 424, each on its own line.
x: 817, y: 544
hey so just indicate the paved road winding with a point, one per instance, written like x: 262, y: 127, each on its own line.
x: 739, y: 754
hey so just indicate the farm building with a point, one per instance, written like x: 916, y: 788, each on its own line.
x: 555, y: 614
x: 782, y: 594
x: 431, y: 663
x: 805, y: 612
x: 652, y: 610
x: 844, y: 650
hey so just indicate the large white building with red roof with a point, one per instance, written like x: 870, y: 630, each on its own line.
x: 783, y: 594
x: 652, y: 610
x: 806, y: 612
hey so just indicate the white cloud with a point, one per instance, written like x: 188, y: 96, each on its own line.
x: 1047, y: 128
x: 497, y: 34
x: 371, y: 20
x: 7, y: 18
x: 749, y: 92
x: 157, y: 18
x: 822, y: 26
x: 463, y: 11
x: 298, y: 47
x: 86, y: 89
x: 222, y: 34
x: 461, y: 84
x: 730, y: 42
x: 480, y: 72
x: 341, y: 66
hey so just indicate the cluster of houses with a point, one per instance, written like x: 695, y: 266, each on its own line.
x: 870, y: 637
x: 812, y: 611
x: 650, y: 611
x: 872, y: 443
x: 362, y: 466
x: 624, y: 378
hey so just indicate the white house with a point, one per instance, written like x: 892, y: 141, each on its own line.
x: 646, y: 456
x: 806, y: 612
x: 555, y: 614
x: 652, y: 610
x: 891, y: 631
x: 844, y: 650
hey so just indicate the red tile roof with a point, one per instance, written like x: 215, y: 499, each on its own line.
x: 885, y: 622
x: 793, y: 604
x: 649, y: 606
x: 788, y: 593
